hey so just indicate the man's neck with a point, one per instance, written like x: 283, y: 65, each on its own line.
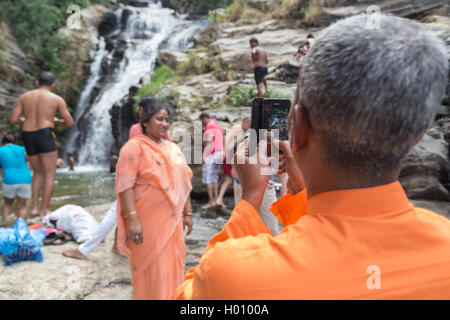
x: 342, y: 180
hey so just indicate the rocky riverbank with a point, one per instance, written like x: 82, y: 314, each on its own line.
x: 102, y: 276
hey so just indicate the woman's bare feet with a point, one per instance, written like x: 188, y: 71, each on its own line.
x: 74, y: 253
x: 208, y: 205
x: 221, y: 204
x: 35, y: 213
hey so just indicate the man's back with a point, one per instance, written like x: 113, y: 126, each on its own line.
x: 260, y: 57
x: 352, y: 244
x: 39, y: 108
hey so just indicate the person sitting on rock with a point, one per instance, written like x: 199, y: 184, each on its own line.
x: 352, y: 232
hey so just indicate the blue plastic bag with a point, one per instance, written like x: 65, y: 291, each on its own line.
x: 17, y: 243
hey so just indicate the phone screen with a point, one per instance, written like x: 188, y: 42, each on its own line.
x: 275, y: 116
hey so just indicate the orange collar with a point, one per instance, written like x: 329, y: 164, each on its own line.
x: 364, y: 202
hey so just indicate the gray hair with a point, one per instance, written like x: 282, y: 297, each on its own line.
x: 371, y: 93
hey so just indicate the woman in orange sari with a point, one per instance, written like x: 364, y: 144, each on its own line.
x: 153, y: 185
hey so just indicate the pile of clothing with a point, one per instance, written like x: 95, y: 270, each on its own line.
x: 18, y: 243
x: 71, y: 220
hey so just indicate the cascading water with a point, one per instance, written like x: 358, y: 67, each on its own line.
x: 146, y: 32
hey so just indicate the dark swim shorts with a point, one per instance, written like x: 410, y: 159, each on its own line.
x: 40, y: 141
x: 260, y: 72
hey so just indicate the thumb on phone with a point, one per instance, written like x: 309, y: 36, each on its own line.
x: 292, y: 169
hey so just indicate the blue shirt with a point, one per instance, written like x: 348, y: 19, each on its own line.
x: 15, y: 170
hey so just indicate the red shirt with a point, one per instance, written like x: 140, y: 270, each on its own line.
x: 214, y: 129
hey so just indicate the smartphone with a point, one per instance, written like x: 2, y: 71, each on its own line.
x: 269, y: 114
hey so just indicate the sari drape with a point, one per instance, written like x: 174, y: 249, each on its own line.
x: 161, y: 180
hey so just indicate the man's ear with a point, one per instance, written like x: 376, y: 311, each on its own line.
x: 301, y: 132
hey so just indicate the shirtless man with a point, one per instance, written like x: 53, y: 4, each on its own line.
x: 260, y: 62
x: 39, y: 108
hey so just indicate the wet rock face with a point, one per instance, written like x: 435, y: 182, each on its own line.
x: 108, y: 24
x: 122, y: 118
x: 13, y: 68
x: 184, y: 6
x: 139, y: 4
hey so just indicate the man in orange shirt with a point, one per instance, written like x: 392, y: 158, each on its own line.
x: 352, y: 233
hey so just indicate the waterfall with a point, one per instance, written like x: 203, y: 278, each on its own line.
x: 145, y: 32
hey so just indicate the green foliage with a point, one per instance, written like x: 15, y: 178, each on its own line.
x: 272, y: 93
x: 15, y: 129
x: 220, y: 15
x: 196, y: 103
x: 195, y: 65
x: 159, y: 77
x: 35, y: 24
x: 290, y: 9
x: 243, y: 97
x: 213, y: 4
x: 2, y: 62
x: 168, y: 95
x: 159, y: 88
x: 3, y: 42
x: 215, y: 105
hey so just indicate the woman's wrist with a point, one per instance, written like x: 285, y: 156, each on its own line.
x: 187, y: 214
x: 132, y: 216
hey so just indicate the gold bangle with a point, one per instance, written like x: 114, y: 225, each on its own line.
x: 131, y: 213
x: 189, y: 214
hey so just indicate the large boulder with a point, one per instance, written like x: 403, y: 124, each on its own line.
x: 201, y: 89
x: 426, y: 169
x: 123, y: 116
x: 171, y: 58
x: 286, y: 72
